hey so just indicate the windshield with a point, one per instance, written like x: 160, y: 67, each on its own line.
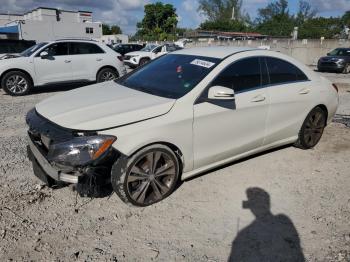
x: 148, y: 48
x: 340, y: 52
x: 170, y: 76
x: 28, y: 52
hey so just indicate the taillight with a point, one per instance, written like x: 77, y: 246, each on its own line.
x: 120, y: 58
x: 335, y: 87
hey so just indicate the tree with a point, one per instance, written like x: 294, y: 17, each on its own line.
x: 116, y: 30
x: 111, y: 30
x: 320, y: 27
x: 159, y: 22
x: 277, y: 9
x: 221, y: 10
x: 306, y: 12
x: 275, y: 20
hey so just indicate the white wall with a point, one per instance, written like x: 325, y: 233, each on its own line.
x: 4, y: 19
x: 47, y: 31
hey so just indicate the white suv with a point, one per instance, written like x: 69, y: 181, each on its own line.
x: 148, y: 53
x: 58, y: 62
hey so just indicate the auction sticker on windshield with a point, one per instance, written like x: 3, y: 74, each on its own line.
x: 202, y: 63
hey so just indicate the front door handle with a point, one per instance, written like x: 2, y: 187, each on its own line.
x: 304, y: 91
x: 67, y: 61
x: 258, y: 98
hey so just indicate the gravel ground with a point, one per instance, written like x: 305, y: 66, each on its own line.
x: 309, y: 192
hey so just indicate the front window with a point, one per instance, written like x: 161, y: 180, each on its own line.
x: 31, y: 50
x: 148, y: 48
x: 340, y: 52
x: 170, y: 76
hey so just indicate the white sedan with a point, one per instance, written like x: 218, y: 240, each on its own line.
x: 180, y: 115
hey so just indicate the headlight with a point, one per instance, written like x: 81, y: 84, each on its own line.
x: 340, y: 61
x: 80, y: 151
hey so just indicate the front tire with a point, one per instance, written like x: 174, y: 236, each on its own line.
x: 16, y: 83
x: 312, y: 129
x: 147, y: 177
x: 143, y: 61
x: 106, y: 74
x: 346, y: 69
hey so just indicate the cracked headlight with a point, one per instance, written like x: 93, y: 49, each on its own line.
x: 80, y: 151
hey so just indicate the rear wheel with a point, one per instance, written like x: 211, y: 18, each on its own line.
x: 16, y: 83
x: 312, y: 129
x: 147, y: 177
x: 106, y: 74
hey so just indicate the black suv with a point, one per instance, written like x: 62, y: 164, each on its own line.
x: 127, y: 48
x: 337, y: 61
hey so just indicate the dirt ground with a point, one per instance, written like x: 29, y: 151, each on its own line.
x: 309, y: 193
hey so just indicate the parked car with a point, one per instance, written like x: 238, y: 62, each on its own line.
x: 337, y: 61
x: 178, y: 116
x: 10, y: 47
x: 58, y: 62
x: 127, y: 48
x: 148, y: 53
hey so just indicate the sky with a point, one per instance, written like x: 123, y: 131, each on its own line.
x: 126, y: 13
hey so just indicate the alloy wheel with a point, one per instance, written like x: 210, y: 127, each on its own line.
x: 151, y: 177
x: 16, y: 84
x: 314, y: 128
x: 107, y: 76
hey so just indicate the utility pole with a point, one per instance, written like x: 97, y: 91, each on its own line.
x: 233, y: 14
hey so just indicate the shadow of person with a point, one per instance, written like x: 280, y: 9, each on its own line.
x: 269, y: 237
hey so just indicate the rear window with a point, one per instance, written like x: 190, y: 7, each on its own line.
x: 84, y: 49
x: 281, y: 71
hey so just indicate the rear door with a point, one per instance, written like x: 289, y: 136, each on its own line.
x: 290, y: 93
x: 56, y: 67
x: 87, y: 59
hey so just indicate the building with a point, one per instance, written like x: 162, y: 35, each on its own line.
x: 115, y: 39
x: 45, y: 24
x: 205, y: 35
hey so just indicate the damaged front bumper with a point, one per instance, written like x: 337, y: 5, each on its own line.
x: 41, y: 134
x: 35, y: 154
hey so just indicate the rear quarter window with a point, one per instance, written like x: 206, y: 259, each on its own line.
x: 281, y: 71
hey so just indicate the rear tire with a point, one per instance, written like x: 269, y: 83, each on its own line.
x: 147, y: 177
x: 312, y: 129
x: 16, y: 83
x: 106, y: 74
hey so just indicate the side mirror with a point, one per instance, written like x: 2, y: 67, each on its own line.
x: 44, y: 55
x: 221, y: 93
x: 328, y: 54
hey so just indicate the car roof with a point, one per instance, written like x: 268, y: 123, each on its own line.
x: 214, y: 52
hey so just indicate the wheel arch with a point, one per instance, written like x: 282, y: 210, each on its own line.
x: 176, y: 150
x: 105, y: 67
x: 17, y: 69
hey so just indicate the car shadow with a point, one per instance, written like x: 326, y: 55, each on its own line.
x: 269, y: 237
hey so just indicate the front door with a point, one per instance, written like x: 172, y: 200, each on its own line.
x: 56, y: 67
x: 226, y: 129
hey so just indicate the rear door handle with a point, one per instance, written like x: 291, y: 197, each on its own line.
x: 99, y: 59
x: 258, y: 98
x: 67, y: 61
x: 304, y: 91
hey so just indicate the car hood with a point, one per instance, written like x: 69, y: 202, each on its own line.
x: 102, y: 106
x: 138, y: 53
